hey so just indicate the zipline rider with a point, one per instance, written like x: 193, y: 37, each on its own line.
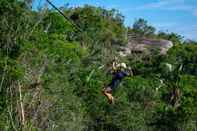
x: 119, y: 71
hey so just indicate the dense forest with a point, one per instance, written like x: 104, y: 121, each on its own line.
x: 52, y: 71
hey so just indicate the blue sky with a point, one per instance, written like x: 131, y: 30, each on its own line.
x: 179, y: 16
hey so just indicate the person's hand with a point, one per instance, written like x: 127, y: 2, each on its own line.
x: 130, y: 71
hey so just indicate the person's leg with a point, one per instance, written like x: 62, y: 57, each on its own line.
x: 108, y: 93
x: 109, y: 97
x: 114, y: 84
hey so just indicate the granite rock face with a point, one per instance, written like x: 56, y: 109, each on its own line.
x: 145, y: 46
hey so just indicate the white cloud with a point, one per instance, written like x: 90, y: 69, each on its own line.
x: 161, y: 4
x: 174, y: 5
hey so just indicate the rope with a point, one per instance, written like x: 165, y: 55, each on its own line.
x: 71, y: 22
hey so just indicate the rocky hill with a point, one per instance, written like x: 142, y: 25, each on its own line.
x: 145, y: 45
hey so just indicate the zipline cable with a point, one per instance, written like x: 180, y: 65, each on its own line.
x: 71, y: 22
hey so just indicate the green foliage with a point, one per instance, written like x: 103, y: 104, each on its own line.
x: 54, y: 23
x: 176, y: 112
x: 52, y: 74
x: 175, y: 38
x: 168, y: 117
x: 141, y: 28
x: 52, y: 61
x: 185, y: 55
x: 102, y: 26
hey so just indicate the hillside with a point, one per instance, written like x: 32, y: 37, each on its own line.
x: 52, y: 71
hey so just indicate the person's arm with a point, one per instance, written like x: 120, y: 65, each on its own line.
x: 114, y: 66
x: 129, y: 72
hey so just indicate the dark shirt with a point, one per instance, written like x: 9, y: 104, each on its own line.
x: 120, y: 75
x: 117, y: 77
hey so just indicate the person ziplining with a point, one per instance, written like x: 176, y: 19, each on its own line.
x: 119, y: 71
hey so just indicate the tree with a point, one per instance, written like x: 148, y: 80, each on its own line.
x: 175, y: 38
x: 178, y: 91
x: 142, y: 28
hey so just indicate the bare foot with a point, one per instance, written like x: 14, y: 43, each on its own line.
x: 109, y: 97
x: 111, y: 100
x: 108, y: 93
